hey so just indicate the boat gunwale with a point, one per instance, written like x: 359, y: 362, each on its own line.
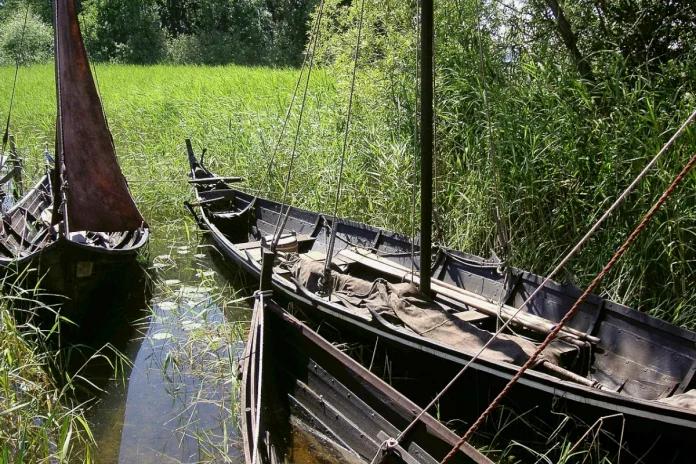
x: 650, y: 409
x: 354, y: 369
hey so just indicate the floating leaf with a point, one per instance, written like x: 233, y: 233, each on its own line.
x: 162, y: 336
x: 199, y: 256
x: 167, y: 305
x: 172, y: 282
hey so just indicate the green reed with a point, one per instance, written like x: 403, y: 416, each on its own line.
x: 40, y: 419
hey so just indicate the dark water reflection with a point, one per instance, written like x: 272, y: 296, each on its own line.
x: 176, y: 401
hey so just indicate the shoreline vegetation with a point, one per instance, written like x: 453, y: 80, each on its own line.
x: 557, y: 172
x: 40, y: 418
x: 570, y: 114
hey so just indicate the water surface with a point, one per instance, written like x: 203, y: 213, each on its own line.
x: 176, y: 401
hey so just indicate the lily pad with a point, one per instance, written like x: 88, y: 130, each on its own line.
x: 167, y: 305
x: 190, y: 325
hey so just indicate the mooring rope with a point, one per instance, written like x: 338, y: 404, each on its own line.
x: 6, y: 135
x: 283, y: 218
x: 334, y: 227
x: 644, y: 222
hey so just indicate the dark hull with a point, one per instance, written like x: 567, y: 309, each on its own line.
x: 297, y: 374
x: 64, y: 271
x: 632, y: 341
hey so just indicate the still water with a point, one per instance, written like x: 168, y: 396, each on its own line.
x: 174, y: 399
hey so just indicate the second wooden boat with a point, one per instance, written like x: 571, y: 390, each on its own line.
x: 302, y: 400
x: 611, y: 360
x: 78, y: 226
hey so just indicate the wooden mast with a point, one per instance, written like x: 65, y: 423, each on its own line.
x: 426, y: 142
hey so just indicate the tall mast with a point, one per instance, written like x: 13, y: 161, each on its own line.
x: 426, y: 142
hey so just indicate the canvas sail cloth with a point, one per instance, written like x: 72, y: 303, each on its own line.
x: 97, y: 195
x: 404, y: 305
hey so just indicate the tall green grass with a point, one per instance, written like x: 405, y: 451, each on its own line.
x: 562, y: 156
x: 40, y: 419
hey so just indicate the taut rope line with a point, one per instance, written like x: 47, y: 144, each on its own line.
x: 501, y: 231
x: 416, y: 151
x: 644, y: 222
x: 283, y: 218
x: 334, y: 227
x: 6, y: 135
x: 550, y: 276
x: 315, y: 29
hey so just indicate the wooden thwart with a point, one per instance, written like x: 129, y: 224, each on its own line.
x: 214, y: 180
x: 473, y: 300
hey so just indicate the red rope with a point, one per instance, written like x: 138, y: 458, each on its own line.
x: 577, y: 304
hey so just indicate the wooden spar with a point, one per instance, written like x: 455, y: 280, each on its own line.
x: 213, y: 180
x: 426, y: 142
x: 526, y: 320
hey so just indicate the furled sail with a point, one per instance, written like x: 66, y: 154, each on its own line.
x: 90, y: 187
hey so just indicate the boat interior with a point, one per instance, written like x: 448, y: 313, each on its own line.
x: 606, y: 345
x: 320, y: 406
x: 26, y: 227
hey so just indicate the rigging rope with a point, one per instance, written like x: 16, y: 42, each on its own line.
x: 6, y: 135
x: 332, y: 241
x: 416, y: 151
x: 315, y: 32
x: 500, y: 228
x: 283, y: 219
x: 643, y: 223
x: 553, y: 273
x: 436, y: 185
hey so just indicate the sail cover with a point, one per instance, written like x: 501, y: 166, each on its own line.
x: 97, y: 195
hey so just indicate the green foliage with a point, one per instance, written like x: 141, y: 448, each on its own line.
x: 122, y: 31
x: 210, y: 32
x: 30, y: 43
x: 564, y: 148
x: 39, y: 419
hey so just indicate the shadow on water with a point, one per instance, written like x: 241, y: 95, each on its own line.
x: 160, y: 352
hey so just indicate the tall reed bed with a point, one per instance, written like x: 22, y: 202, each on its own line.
x: 40, y: 420
x: 564, y: 151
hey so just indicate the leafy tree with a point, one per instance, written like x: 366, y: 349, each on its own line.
x: 41, y: 8
x: 30, y: 44
x: 123, y: 30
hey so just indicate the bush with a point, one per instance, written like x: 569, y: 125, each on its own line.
x: 210, y: 48
x: 30, y: 44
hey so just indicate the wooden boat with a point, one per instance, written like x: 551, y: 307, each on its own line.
x: 621, y: 361
x: 79, y: 224
x: 302, y: 397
